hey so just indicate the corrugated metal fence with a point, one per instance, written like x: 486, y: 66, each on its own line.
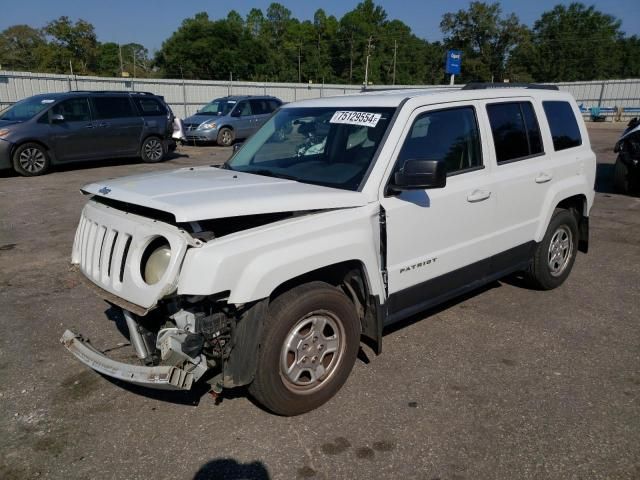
x: 185, y: 96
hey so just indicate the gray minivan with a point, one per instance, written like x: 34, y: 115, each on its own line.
x: 57, y: 128
x: 227, y: 119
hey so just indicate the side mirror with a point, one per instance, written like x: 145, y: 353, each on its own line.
x: 420, y: 175
x: 236, y: 147
x: 57, y: 118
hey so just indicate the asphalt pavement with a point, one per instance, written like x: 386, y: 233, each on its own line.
x: 505, y: 383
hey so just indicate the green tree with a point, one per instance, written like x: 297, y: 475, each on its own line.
x: 22, y: 48
x: 629, y: 49
x: 486, y: 38
x: 575, y: 43
x: 72, y: 42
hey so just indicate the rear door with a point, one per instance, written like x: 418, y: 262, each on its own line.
x: 525, y: 169
x: 262, y: 110
x: 74, y: 137
x: 119, y: 125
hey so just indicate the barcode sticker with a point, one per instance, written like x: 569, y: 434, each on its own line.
x: 363, y: 119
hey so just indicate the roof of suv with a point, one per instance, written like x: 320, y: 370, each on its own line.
x: 73, y: 93
x: 246, y: 97
x: 393, y: 98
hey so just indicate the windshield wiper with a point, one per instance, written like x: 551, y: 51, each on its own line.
x: 269, y: 173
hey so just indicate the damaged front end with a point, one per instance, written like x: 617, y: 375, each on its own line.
x: 180, y: 342
x: 178, y: 338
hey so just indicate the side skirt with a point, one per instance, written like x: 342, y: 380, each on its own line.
x: 403, y: 304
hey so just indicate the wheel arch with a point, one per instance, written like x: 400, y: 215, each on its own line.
x: 351, y: 277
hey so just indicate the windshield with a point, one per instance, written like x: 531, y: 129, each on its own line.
x: 333, y: 147
x: 220, y: 106
x: 25, y: 109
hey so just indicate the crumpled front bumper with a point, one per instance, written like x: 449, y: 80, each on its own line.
x: 159, y: 377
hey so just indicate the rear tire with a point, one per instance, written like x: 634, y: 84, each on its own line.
x: 621, y: 177
x: 554, y: 257
x: 31, y: 160
x: 309, y: 345
x: 225, y: 137
x: 153, y: 150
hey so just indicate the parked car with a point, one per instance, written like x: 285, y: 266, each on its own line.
x: 626, y: 174
x: 227, y: 119
x: 339, y: 217
x: 58, y: 128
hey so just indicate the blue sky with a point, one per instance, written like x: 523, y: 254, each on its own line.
x: 150, y: 22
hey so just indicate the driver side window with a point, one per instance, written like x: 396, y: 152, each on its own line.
x: 450, y: 136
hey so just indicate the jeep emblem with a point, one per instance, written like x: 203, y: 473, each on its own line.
x: 104, y: 190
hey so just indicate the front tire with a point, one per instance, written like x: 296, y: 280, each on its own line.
x: 554, y: 257
x: 153, y: 150
x: 225, y: 137
x: 30, y: 160
x: 309, y: 345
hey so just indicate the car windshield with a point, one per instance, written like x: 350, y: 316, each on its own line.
x: 220, y: 106
x: 333, y: 147
x: 26, y: 109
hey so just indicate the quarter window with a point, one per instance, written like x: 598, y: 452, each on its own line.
x: 450, y: 136
x: 516, y: 134
x: 73, y: 110
x: 113, y: 107
x: 562, y: 122
x: 150, y: 107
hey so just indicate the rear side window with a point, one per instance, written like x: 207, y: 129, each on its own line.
x: 273, y: 105
x: 73, y: 110
x: 450, y: 136
x: 113, y: 107
x: 516, y: 134
x: 564, y: 127
x: 150, y: 107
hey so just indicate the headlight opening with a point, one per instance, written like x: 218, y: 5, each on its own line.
x: 155, y: 260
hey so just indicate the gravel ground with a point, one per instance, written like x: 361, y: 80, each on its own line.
x: 506, y: 383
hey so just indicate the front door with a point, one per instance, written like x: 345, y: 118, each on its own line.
x: 72, y: 137
x: 439, y: 240
x: 243, y: 124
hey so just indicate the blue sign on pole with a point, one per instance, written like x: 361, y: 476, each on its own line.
x: 454, y: 60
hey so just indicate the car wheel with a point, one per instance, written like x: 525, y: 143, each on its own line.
x: 225, y: 137
x: 153, y: 150
x: 555, y: 255
x: 309, y: 345
x: 30, y: 160
x: 621, y: 177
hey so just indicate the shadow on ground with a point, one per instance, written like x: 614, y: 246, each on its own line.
x: 230, y: 469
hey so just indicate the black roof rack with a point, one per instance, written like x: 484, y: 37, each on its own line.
x: 112, y: 91
x: 488, y: 85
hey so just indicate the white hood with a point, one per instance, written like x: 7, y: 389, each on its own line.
x: 204, y: 193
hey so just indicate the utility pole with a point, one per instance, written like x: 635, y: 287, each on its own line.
x: 366, y: 67
x: 120, y: 56
x: 134, y: 62
x: 299, y: 54
x: 395, y: 51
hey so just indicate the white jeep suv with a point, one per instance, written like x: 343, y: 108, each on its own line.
x: 337, y: 218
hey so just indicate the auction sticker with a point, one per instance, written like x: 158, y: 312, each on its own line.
x: 363, y: 119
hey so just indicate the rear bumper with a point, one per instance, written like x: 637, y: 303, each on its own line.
x: 5, y: 154
x: 160, y: 377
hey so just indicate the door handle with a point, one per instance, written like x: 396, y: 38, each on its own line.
x: 104, y: 124
x: 543, y: 178
x: 478, y: 196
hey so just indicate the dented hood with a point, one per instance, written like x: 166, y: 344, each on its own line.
x: 203, y: 193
